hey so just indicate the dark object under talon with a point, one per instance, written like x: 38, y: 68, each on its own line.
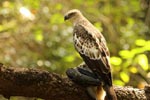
x: 83, y: 76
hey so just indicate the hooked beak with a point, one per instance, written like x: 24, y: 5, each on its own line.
x: 66, y: 17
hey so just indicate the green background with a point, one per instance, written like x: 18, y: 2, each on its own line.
x: 33, y: 34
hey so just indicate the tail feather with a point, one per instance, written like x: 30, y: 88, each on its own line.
x: 110, y: 93
x: 100, y: 93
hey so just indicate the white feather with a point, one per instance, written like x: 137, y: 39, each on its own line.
x: 85, y: 49
x: 92, y: 92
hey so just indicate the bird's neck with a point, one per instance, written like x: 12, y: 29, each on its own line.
x: 79, y: 20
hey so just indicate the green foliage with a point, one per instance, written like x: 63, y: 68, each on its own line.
x: 124, y: 76
x: 56, y: 19
x: 135, y: 60
x: 38, y: 35
x: 33, y: 34
x: 142, y: 60
x: 115, y: 61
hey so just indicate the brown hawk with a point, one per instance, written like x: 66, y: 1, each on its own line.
x: 91, y: 45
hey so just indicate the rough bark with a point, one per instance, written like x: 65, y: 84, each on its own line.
x: 51, y: 86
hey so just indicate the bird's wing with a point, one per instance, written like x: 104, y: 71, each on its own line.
x: 93, y: 49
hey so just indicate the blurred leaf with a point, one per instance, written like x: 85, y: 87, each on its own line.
x: 69, y: 58
x: 77, y: 1
x: 56, y: 18
x: 58, y: 6
x: 133, y: 69
x: 130, y: 22
x: 147, y: 46
x: 138, y: 50
x: 124, y: 76
x: 89, y: 2
x: 33, y: 3
x: 38, y: 35
x: 115, y: 61
x: 140, y: 42
x: 126, y: 54
x: 118, y: 82
x: 98, y: 25
x: 143, y: 61
x: 1, y: 28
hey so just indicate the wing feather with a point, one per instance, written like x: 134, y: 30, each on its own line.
x: 92, y: 47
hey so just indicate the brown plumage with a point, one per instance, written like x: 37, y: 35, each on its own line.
x: 91, y: 46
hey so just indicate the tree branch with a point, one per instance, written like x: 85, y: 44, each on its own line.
x: 51, y: 86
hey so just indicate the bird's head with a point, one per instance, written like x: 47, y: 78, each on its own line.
x: 72, y: 15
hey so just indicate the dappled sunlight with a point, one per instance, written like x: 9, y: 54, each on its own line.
x: 26, y: 13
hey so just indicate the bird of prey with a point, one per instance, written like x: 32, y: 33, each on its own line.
x: 91, y: 45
